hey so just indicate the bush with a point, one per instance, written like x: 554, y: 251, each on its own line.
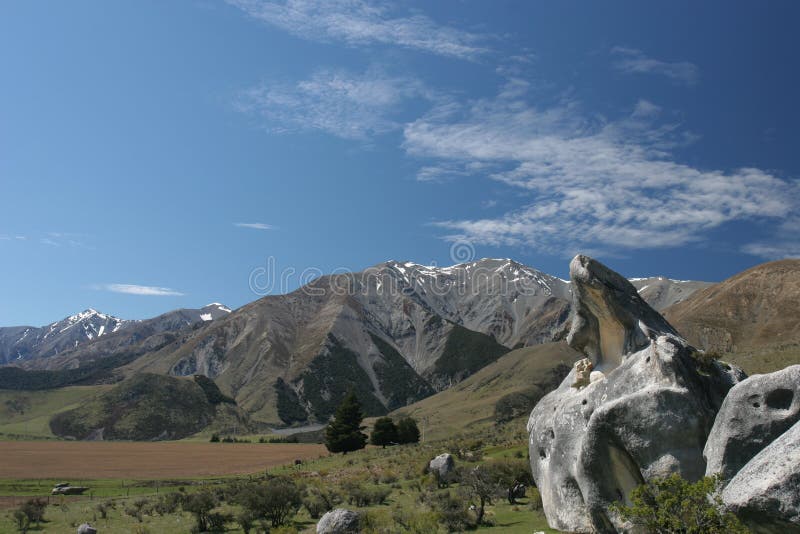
x: 534, y: 499
x: 275, y: 500
x: 452, y: 511
x: 200, y: 505
x: 217, y: 521
x: 407, y: 431
x: 384, y: 432
x: 33, y: 509
x: 671, y: 504
x: 359, y: 494
x: 320, y: 499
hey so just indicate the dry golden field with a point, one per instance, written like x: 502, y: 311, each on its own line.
x: 136, y: 460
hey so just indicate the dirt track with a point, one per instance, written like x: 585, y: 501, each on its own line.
x: 143, y: 461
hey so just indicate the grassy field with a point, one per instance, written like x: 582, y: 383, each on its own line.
x: 397, y: 469
x: 469, y: 405
x: 26, y: 414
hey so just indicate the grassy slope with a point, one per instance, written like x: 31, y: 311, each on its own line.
x: 26, y: 414
x: 471, y: 402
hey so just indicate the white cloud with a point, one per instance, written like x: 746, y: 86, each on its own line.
x: 133, y: 289
x: 635, y: 61
x: 783, y: 243
x: 255, y: 226
x: 360, y: 22
x: 351, y: 106
x: 589, y: 182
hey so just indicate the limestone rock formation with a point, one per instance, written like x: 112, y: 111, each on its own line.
x: 339, y: 521
x: 646, y: 413
x: 755, y: 412
x: 442, y: 465
x: 765, y: 493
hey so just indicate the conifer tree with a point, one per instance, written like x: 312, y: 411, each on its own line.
x: 344, y: 433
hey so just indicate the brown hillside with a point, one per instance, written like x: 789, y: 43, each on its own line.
x: 754, y: 317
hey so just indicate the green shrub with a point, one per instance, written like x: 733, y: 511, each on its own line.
x: 673, y: 505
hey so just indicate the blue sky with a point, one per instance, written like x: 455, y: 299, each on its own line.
x: 153, y: 154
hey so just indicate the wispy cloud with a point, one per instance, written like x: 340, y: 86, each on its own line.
x: 631, y: 60
x: 133, y: 289
x: 360, y: 22
x: 255, y: 226
x: 589, y: 182
x: 783, y: 243
x: 347, y: 105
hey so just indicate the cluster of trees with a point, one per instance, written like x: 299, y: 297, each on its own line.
x: 345, y: 432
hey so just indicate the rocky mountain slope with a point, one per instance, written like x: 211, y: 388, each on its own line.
x: 147, y: 407
x: 396, y: 332
x: 19, y: 343
x: 503, y: 390
x: 91, y: 334
x: 752, y: 319
x: 661, y: 293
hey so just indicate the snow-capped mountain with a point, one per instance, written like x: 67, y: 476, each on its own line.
x: 24, y: 343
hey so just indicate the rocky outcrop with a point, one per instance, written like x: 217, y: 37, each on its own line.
x: 755, y: 412
x: 645, y: 412
x: 765, y: 493
x: 339, y: 521
x: 610, y: 319
x: 442, y: 466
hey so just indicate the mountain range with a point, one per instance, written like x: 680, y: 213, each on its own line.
x: 396, y: 333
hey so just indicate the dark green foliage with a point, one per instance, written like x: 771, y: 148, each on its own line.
x: 671, y: 505
x: 336, y: 371
x: 344, y: 433
x: 210, y: 388
x: 360, y: 494
x: 142, y: 408
x: 384, y: 432
x: 290, y: 410
x: 407, y: 431
x: 400, y: 384
x: 466, y: 352
x: 33, y: 512
x: 482, y: 484
x: 200, y: 505
x: 99, y: 371
x: 275, y: 500
x: 452, y: 510
x: 320, y: 499
x: 214, y: 438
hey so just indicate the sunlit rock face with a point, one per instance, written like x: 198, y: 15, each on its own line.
x: 645, y: 410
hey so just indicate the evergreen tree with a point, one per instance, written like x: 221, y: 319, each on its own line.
x: 384, y: 432
x: 343, y: 434
x: 407, y: 431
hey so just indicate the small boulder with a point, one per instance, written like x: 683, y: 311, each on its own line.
x: 765, y: 493
x: 339, y: 521
x: 755, y: 413
x: 442, y: 466
x: 86, y: 528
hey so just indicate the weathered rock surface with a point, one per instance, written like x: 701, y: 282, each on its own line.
x: 610, y: 319
x: 442, y: 465
x: 86, y: 528
x: 765, y: 493
x: 646, y: 414
x: 339, y: 521
x: 755, y: 412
